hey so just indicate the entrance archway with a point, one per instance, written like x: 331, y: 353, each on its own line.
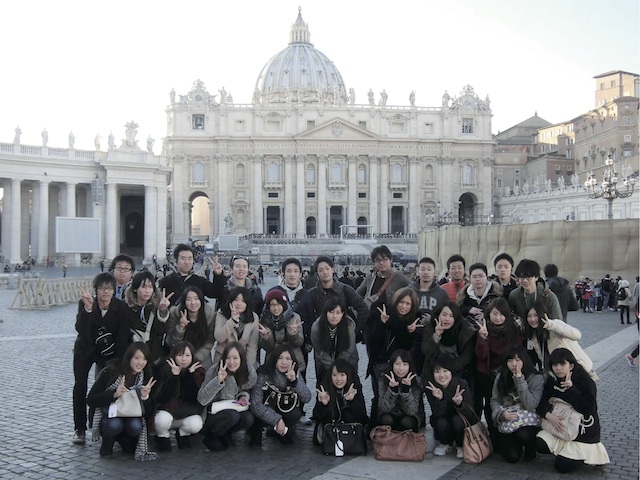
x: 467, y: 209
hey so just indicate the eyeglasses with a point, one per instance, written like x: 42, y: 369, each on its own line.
x: 381, y: 260
x: 105, y: 288
x: 526, y: 275
x: 123, y: 269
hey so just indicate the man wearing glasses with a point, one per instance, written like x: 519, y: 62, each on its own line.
x: 185, y: 277
x: 522, y: 298
x: 380, y: 285
x: 122, y: 268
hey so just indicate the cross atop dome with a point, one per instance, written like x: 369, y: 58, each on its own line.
x: 299, y: 31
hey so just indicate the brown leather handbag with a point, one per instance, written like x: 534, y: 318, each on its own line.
x: 406, y: 446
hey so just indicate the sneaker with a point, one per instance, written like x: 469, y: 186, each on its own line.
x: 441, y: 450
x: 459, y: 452
x: 632, y: 361
x: 78, y: 438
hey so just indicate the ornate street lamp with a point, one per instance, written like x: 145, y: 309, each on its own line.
x: 609, y: 186
x: 442, y: 220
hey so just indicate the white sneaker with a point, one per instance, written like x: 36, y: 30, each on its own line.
x: 78, y: 438
x: 459, y: 453
x: 441, y: 450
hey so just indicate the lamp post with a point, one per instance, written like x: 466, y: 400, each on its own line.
x: 442, y: 220
x: 609, y: 186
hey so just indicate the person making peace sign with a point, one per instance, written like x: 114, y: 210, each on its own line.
x: 399, y: 393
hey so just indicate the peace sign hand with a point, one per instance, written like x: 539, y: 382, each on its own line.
x: 351, y: 393
x: 457, y: 397
x: 175, y: 368
x: 438, y: 329
x: 87, y: 299
x: 384, y: 317
x: 122, y: 388
x: 412, y: 326
x: 323, y: 396
x: 235, y: 315
x: 194, y: 367
x: 164, y: 301
x: 184, y: 321
x: 392, y: 380
x: 263, y: 331
x: 567, y: 383
x: 482, y: 331
x: 291, y: 373
x: 435, y: 391
x: 222, y: 371
x: 407, y: 380
x: 293, y: 327
x: 216, y: 266
x: 545, y: 321
x: 146, y: 389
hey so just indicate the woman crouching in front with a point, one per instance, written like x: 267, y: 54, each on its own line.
x: 115, y: 380
x: 232, y: 378
x: 277, y: 396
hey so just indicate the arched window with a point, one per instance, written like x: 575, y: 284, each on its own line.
x: 336, y: 172
x: 396, y: 173
x: 428, y: 175
x: 467, y: 175
x: 273, y: 172
x: 311, y: 173
x: 362, y: 173
x: 240, y: 173
x: 197, y: 174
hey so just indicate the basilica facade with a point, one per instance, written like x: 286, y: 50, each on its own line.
x: 308, y: 158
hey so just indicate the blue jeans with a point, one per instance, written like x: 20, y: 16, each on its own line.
x: 112, y: 427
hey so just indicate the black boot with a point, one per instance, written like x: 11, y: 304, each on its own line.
x: 106, y: 449
x: 227, y: 440
x: 212, y: 442
x: 163, y: 444
x: 255, y: 436
x: 183, y: 442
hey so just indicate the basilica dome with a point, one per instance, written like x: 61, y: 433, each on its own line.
x: 300, y: 73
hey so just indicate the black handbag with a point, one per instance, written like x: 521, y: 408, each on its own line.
x: 344, y: 439
x: 282, y: 402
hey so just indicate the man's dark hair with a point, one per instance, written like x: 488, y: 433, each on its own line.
x: 321, y: 259
x: 528, y: 268
x: 182, y: 248
x: 289, y: 261
x: 427, y: 260
x: 123, y: 257
x: 503, y: 256
x: 456, y: 258
x: 478, y: 266
x: 550, y: 270
x: 381, y: 251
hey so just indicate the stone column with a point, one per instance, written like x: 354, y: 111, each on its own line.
x: 212, y: 220
x: 384, y: 194
x: 223, y: 191
x: 161, y: 242
x: 373, y: 194
x: 186, y: 218
x: 413, y: 212
x: 289, y: 200
x: 322, y: 194
x: 179, y: 220
x: 301, y: 219
x: 352, y: 202
x: 111, y: 241
x: 71, y: 199
x: 43, y: 221
x: 150, y: 221
x: 14, y: 246
x: 257, y: 212
x: 6, y: 220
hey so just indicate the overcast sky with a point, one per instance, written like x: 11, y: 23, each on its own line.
x: 92, y: 66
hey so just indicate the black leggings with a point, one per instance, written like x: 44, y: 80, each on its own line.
x: 561, y: 464
x: 227, y: 421
x: 396, y: 422
x: 448, y: 429
x: 510, y: 445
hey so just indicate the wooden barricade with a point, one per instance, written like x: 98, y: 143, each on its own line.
x: 44, y: 293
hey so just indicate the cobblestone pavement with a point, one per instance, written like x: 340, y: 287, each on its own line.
x: 36, y: 420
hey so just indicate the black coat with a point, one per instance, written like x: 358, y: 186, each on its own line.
x: 176, y: 284
x: 116, y: 321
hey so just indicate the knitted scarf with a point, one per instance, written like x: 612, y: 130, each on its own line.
x: 142, y: 453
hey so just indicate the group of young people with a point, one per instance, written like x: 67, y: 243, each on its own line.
x: 472, y: 346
